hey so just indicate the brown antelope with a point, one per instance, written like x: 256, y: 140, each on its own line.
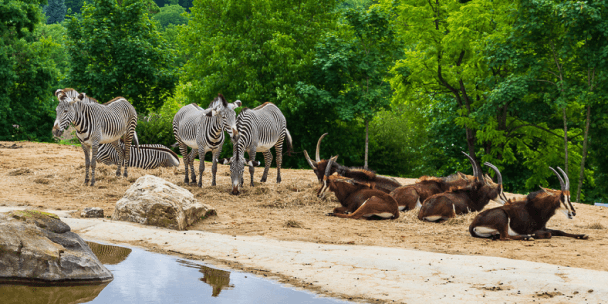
x: 527, y: 218
x: 410, y: 196
x: 462, y: 200
x: 382, y: 183
x: 358, y: 199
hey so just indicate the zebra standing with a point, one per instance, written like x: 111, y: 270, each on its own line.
x: 145, y: 157
x: 203, y: 131
x: 259, y: 130
x: 96, y: 124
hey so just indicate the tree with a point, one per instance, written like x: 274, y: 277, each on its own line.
x: 55, y: 11
x: 171, y: 14
x: 117, y: 51
x: 27, y: 75
x: 351, y: 67
x: 74, y: 6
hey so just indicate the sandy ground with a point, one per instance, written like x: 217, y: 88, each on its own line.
x: 49, y: 176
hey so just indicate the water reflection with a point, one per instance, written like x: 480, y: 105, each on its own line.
x: 145, y: 277
x: 108, y: 254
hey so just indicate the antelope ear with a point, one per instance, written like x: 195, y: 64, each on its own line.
x: 57, y: 92
x: 545, y: 190
x: 462, y: 175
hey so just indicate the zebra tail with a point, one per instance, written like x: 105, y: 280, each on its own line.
x: 136, y: 139
x: 288, y: 142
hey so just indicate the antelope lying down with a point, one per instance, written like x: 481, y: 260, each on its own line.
x: 410, y: 196
x: 473, y: 197
x: 526, y: 219
x: 358, y: 199
x: 382, y: 183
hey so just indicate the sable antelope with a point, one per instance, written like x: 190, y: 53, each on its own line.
x: 462, y: 200
x: 527, y: 218
x: 409, y: 197
x: 382, y: 183
x: 358, y: 199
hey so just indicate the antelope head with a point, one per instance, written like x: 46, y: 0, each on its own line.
x: 318, y: 165
x: 564, y: 199
x: 326, y: 180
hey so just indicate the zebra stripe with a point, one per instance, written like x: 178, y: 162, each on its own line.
x: 146, y: 157
x: 96, y: 124
x: 203, y: 131
x: 259, y: 130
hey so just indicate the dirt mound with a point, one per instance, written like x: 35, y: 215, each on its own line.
x: 288, y: 211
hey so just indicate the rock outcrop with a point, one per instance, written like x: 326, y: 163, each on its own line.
x: 38, y: 248
x: 92, y: 212
x: 155, y: 201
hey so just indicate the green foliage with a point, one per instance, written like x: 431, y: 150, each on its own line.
x: 55, y: 11
x: 171, y: 14
x: 27, y: 74
x: 117, y: 51
x: 74, y: 6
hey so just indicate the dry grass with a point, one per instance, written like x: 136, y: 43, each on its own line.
x: 52, y: 176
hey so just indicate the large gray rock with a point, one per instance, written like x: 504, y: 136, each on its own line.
x: 154, y: 201
x: 37, y: 247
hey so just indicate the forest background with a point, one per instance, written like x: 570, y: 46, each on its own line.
x: 521, y: 84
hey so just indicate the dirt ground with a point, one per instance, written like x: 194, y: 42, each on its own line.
x: 51, y: 176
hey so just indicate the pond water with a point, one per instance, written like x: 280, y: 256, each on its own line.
x: 145, y: 277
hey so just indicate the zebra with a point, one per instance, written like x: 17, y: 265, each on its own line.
x: 259, y: 130
x: 146, y: 157
x: 203, y: 131
x: 96, y: 124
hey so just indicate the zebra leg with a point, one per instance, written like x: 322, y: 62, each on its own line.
x: 251, y: 166
x: 216, y: 156
x: 192, y: 156
x: 121, y: 156
x: 127, y: 152
x: 87, y: 161
x: 183, y: 149
x: 201, y: 166
x: 95, y: 148
x: 268, y: 161
x: 278, y: 149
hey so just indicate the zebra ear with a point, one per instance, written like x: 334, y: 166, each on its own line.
x: 80, y: 97
x: 235, y: 104
x: 210, y: 112
x: 57, y: 92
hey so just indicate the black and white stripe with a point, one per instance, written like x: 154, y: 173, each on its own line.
x: 203, y: 131
x: 145, y: 157
x: 96, y: 124
x: 259, y: 130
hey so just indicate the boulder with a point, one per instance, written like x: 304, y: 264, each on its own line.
x: 38, y: 248
x: 154, y: 201
x: 92, y: 212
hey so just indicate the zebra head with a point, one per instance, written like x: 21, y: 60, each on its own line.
x: 237, y: 167
x: 65, y: 110
x: 226, y: 112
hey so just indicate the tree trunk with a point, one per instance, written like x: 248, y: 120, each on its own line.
x: 582, y: 173
x: 565, y: 141
x: 366, y: 142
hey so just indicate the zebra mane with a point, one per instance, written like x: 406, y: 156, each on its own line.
x: 219, y: 100
x: 262, y: 105
x: 113, y: 100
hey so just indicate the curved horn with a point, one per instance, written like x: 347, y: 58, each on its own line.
x: 311, y: 163
x: 475, y: 172
x: 330, y: 163
x: 495, y: 170
x: 561, y: 181
x: 317, y: 157
x: 565, y: 177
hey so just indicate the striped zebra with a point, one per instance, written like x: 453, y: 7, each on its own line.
x: 259, y: 130
x: 146, y: 157
x: 96, y: 124
x: 203, y: 131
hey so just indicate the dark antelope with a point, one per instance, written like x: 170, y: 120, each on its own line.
x: 382, y: 183
x: 527, y: 218
x: 410, y: 196
x: 462, y: 200
x: 358, y: 199
x: 97, y: 124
